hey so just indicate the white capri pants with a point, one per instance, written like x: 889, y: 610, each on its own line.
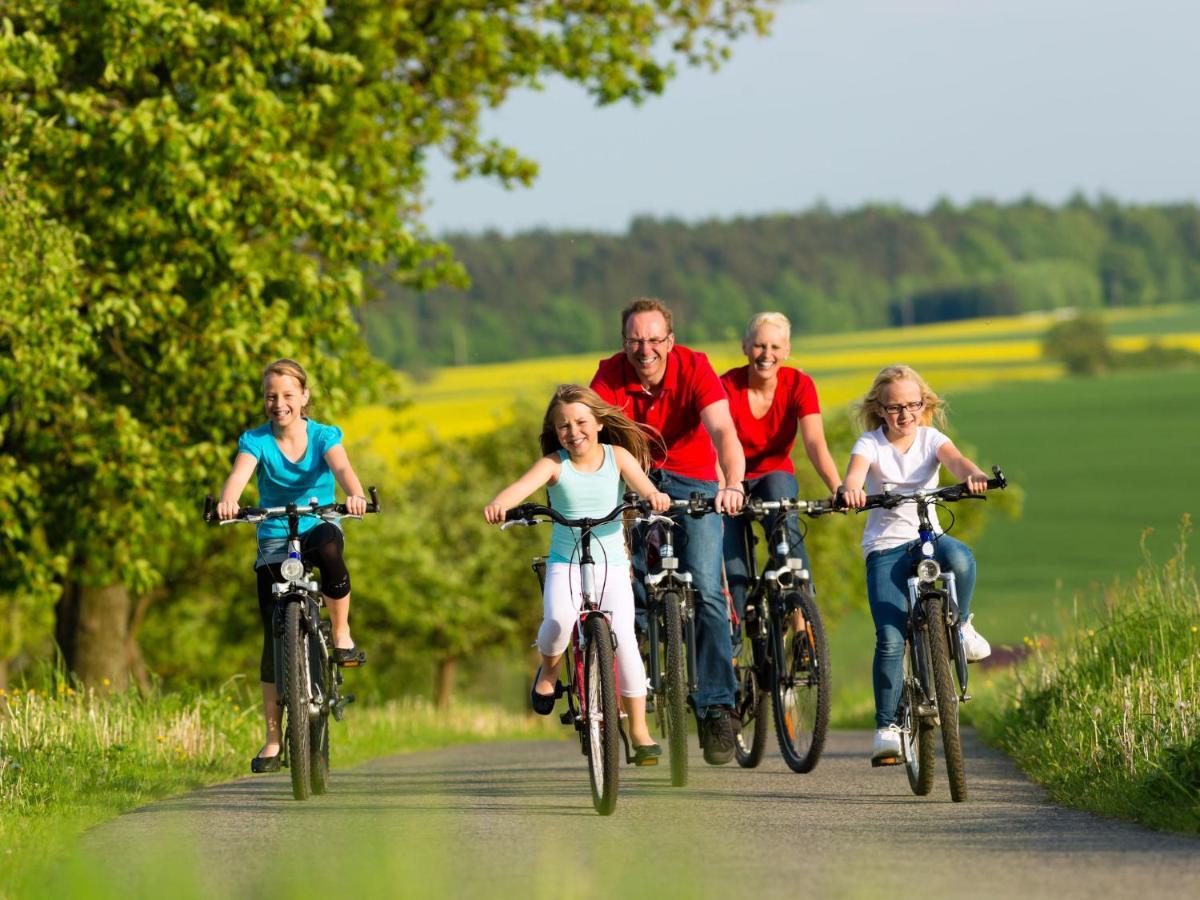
x: 561, y: 602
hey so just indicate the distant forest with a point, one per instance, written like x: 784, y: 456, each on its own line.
x: 545, y: 293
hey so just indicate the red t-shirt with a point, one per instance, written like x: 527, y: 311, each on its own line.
x: 688, y: 386
x: 768, y: 441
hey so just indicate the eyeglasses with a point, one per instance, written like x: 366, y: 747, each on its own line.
x: 894, y: 409
x: 649, y: 342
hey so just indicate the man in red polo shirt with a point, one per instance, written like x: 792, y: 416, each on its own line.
x: 675, y: 391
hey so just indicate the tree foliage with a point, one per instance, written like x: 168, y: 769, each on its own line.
x: 1079, y: 343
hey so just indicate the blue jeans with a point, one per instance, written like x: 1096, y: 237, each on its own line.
x: 888, y: 572
x: 772, y: 486
x: 698, y: 546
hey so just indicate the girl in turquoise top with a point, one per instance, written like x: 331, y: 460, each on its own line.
x: 297, y: 459
x: 592, y: 450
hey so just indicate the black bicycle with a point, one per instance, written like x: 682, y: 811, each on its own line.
x: 671, y: 632
x: 782, y: 658
x: 933, y: 648
x: 310, y: 682
x: 589, y: 663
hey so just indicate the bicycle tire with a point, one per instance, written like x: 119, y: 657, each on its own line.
x: 918, y: 740
x: 800, y: 684
x: 754, y: 702
x: 947, y: 698
x: 318, y: 741
x: 602, y: 717
x: 674, y: 693
x: 295, y: 699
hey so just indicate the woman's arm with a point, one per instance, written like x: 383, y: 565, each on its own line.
x: 243, y: 467
x: 343, y: 472
x: 539, y: 475
x: 639, y: 481
x: 812, y: 433
x: 962, y: 468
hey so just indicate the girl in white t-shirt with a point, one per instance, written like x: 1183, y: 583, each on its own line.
x: 901, y: 450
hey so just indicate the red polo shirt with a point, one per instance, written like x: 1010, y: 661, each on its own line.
x: 688, y: 386
x: 768, y: 441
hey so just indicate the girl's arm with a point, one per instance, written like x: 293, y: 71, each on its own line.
x: 343, y: 472
x: 243, y: 467
x: 856, y: 477
x: 962, y: 468
x: 639, y: 481
x: 540, y: 474
x: 812, y: 432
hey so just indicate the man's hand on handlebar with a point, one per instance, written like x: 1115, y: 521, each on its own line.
x: 729, y: 500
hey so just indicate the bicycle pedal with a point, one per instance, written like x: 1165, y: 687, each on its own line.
x: 886, y: 761
x: 965, y: 697
x: 567, y: 718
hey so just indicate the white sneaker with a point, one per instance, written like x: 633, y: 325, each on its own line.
x: 887, y: 742
x: 974, y: 644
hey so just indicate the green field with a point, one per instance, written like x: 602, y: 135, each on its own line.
x: 1100, y: 461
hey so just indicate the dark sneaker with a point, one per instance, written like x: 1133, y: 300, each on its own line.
x: 717, y: 736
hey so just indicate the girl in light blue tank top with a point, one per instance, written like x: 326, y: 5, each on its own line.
x: 591, y: 451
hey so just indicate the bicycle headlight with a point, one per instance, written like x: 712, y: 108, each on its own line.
x: 292, y: 569
x: 928, y: 570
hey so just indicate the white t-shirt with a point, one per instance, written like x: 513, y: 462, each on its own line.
x: 892, y: 470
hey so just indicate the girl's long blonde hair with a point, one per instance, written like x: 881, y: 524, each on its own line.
x: 869, y: 410
x: 619, y: 429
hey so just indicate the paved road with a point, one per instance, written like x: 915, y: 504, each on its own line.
x: 516, y: 819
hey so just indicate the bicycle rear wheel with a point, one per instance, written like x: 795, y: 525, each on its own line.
x: 601, y: 717
x: 917, y: 735
x: 675, y: 687
x: 294, y: 647
x: 947, y: 698
x: 754, y: 701
x: 801, y: 683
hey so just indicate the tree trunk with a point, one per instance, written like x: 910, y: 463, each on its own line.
x: 101, y: 656
x: 444, y: 681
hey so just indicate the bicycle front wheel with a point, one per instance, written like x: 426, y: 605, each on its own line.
x: 675, y: 687
x: 318, y: 740
x: 801, y: 682
x: 947, y: 698
x: 917, y: 734
x: 294, y: 647
x: 754, y: 700
x: 601, y: 716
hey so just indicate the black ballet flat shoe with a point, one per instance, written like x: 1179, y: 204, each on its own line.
x: 646, y: 755
x: 349, y: 657
x: 261, y: 765
x: 543, y: 704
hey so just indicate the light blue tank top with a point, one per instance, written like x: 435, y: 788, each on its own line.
x: 579, y: 495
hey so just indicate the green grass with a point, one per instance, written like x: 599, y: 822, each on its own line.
x: 1100, y: 460
x: 1106, y: 717
x: 70, y: 759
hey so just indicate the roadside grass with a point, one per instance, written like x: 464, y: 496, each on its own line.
x: 70, y: 758
x: 1107, y: 717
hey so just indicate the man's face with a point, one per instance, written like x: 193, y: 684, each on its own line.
x: 647, y: 343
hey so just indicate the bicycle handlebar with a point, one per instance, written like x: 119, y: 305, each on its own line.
x: 757, y: 509
x: 949, y: 494
x: 254, y: 514
x: 524, y: 515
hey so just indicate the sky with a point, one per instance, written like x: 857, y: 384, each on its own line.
x: 850, y: 102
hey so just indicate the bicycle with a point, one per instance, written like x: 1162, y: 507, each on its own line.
x: 589, y: 663
x: 671, y: 632
x: 310, y: 681
x: 932, y: 648
x: 783, y: 658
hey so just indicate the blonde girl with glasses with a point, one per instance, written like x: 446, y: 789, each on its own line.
x: 902, y: 450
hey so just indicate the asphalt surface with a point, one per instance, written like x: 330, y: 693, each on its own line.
x: 516, y: 819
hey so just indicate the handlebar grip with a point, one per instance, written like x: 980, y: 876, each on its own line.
x: 373, y: 506
x: 517, y: 513
x: 210, y: 507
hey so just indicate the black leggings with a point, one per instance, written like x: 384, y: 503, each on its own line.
x: 320, y: 547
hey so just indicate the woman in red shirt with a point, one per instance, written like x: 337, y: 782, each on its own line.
x: 770, y: 402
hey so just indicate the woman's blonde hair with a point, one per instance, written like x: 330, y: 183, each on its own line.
x: 287, y: 367
x: 778, y: 319
x: 869, y: 410
x: 619, y: 429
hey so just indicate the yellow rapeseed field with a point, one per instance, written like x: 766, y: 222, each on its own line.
x: 955, y: 356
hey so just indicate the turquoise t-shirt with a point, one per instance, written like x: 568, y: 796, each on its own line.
x: 281, y: 481
x: 579, y: 495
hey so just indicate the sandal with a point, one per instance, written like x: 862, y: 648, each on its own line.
x: 543, y: 704
x: 646, y: 755
x: 349, y: 657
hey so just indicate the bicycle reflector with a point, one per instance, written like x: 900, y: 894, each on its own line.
x: 928, y: 570
x: 292, y: 569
